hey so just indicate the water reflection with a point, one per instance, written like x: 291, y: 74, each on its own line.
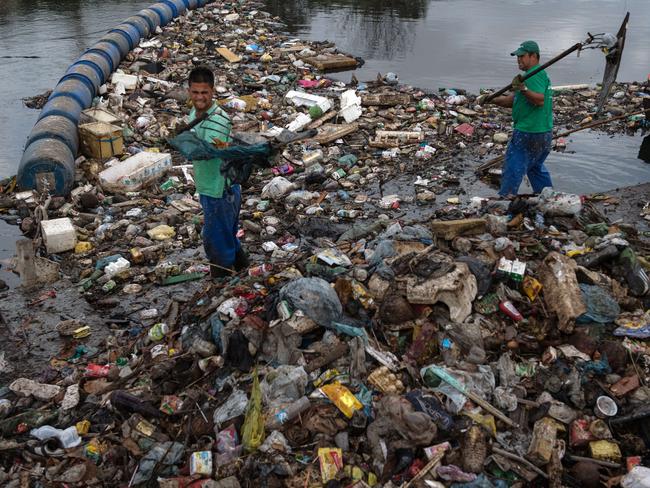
x: 380, y: 28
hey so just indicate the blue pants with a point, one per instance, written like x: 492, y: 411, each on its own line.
x: 221, y: 221
x: 526, y: 154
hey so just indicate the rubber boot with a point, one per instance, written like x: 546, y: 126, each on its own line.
x: 241, y: 260
x: 593, y: 259
x: 218, y: 272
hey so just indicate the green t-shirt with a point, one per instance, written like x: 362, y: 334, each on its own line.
x: 532, y: 118
x: 207, y: 174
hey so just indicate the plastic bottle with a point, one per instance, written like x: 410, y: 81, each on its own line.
x: 510, y: 310
x: 312, y: 157
x: 261, y: 270
x: 5, y: 408
x: 67, y: 437
x: 283, y: 415
x: 158, y: 331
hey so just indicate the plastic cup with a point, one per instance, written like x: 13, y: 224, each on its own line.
x: 605, y: 407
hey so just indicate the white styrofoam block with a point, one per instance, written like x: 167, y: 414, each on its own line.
x: 299, y: 123
x: 59, y: 235
x: 299, y: 98
x: 130, y: 82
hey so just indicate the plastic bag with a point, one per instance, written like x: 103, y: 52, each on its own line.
x: 553, y: 202
x: 277, y: 188
x: 639, y: 477
x: 601, y: 306
x: 315, y: 297
x: 228, y: 447
x: 253, y: 428
x: 161, y: 232
x: 233, y: 407
x: 283, y: 385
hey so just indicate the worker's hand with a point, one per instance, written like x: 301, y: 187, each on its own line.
x: 517, y: 83
x: 481, y: 99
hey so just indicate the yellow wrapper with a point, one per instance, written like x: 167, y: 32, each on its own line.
x: 343, y: 398
x: 82, y: 427
x: 605, y: 451
x: 331, y: 462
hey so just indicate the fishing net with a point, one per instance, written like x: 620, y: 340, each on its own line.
x: 238, y: 161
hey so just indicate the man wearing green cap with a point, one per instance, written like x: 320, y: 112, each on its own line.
x: 532, y: 116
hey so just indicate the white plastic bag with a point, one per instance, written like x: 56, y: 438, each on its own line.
x: 277, y: 188
x: 553, y: 202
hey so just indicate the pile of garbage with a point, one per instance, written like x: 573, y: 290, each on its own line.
x: 383, y: 335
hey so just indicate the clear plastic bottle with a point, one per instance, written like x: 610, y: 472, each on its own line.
x: 67, y: 437
x: 283, y: 415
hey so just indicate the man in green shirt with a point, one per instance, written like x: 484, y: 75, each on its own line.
x: 220, y: 200
x: 532, y: 116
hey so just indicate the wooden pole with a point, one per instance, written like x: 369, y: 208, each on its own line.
x: 550, y: 62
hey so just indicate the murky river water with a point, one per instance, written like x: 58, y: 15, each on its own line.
x: 429, y: 43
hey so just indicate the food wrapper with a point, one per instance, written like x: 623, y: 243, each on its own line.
x: 201, y: 463
x: 170, y: 404
x: 579, y: 434
x: 343, y: 398
x: 331, y: 462
x: 531, y: 287
x: 605, y: 451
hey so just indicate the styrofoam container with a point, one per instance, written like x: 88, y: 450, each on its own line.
x: 59, y: 235
x: 99, y: 115
x: 299, y: 98
x: 135, y: 172
x: 130, y: 82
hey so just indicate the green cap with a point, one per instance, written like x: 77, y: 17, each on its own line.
x: 526, y: 47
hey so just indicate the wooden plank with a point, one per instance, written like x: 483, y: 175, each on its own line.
x: 387, y: 138
x: 385, y: 99
x: 331, y: 132
x: 331, y: 62
x: 320, y: 121
x: 25, y: 264
x: 448, y: 229
x: 230, y: 56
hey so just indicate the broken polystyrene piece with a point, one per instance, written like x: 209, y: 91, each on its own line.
x: 457, y: 289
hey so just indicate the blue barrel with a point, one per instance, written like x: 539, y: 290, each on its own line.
x: 119, y: 41
x: 76, y: 89
x: 178, y: 6
x: 98, y: 62
x: 53, y: 143
x: 111, y: 51
x: 56, y: 127
x: 64, y: 106
x: 152, y: 18
x: 164, y: 11
x: 130, y: 33
x: 49, y: 159
x: 88, y: 72
x: 140, y: 23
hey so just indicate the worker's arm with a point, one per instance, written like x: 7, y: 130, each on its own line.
x: 533, y: 97
x: 504, y: 100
